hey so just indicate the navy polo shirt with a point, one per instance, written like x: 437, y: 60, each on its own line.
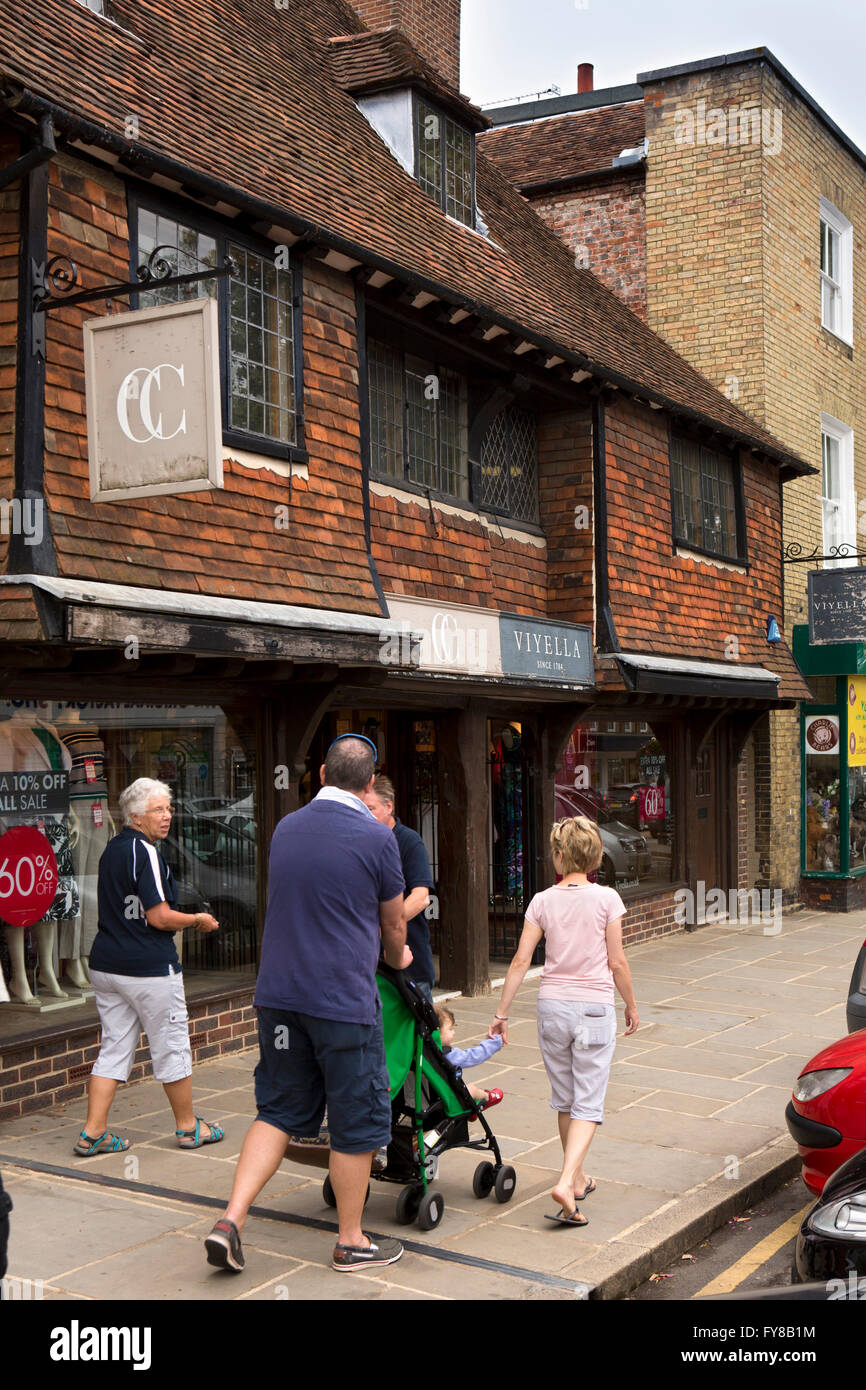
x: 331, y: 865
x: 417, y: 873
x: 133, y: 876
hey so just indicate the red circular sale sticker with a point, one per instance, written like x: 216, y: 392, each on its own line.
x: 28, y: 876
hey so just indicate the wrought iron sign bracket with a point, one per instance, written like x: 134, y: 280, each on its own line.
x: 54, y: 283
x: 793, y: 553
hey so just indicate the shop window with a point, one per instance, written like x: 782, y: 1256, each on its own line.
x: 63, y: 766
x: 418, y: 421
x: 509, y: 465
x: 444, y: 160
x: 704, y: 499
x: 821, y: 750
x: 256, y: 321
x: 621, y: 780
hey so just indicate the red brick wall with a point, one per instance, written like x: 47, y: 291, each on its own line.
x: 36, y: 1075
x: 9, y: 234
x: 433, y: 26
x: 668, y: 603
x: 604, y: 226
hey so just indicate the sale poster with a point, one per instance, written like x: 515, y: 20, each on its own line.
x: 857, y: 721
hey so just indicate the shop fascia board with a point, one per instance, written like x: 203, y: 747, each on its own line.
x: 828, y: 658
x: 166, y: 620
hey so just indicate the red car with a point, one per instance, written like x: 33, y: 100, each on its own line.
x: 827, y: 1114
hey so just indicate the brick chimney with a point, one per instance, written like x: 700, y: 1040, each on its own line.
x: 584, y: 77
x: 433, y: 26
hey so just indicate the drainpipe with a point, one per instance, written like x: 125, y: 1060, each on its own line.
x: 364, y: 425
x: 606, y: 638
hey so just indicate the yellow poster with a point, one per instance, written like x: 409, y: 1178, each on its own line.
x: 857, y: 721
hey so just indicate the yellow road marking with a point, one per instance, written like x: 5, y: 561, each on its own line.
x: 729, y: 1279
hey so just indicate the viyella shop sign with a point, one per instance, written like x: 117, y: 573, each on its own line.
x: 153, y: 401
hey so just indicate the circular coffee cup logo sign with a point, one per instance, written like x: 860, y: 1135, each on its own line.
x: 822, y: 734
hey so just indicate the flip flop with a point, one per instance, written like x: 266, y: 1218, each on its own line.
x: 562, y: 1220
x: 591, y: 1188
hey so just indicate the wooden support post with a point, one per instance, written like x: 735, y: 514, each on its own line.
x: 463, y: 810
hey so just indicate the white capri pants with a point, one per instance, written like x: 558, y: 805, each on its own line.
x: 577, y: 1042
x: 129, y: 1005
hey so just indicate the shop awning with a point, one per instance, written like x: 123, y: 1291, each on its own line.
x: 171, y: 620
x: 673, y: 676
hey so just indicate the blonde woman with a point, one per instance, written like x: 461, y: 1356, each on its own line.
x: 581, y: 923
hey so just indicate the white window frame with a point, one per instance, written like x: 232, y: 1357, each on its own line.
x: 844, y: 531
x: 843, y: 287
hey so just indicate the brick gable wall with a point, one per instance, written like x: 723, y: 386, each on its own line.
x: 433, y: 26
x: 604, y: 226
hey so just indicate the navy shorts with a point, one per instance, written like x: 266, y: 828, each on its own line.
x: 306, y: 1064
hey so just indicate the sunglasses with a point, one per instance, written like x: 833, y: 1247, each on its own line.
x: 363, y: 738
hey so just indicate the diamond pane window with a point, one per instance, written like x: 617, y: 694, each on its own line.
x: 704, y: 498
x: 509, y: 454
x: 443, y: 162
x: 256, y: 317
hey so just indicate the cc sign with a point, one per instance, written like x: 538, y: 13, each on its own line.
x: 137, y: 386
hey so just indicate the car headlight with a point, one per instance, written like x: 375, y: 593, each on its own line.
x: 815, y: 1083
x: 844, y: 1217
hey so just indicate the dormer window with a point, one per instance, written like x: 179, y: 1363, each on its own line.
x: 444, y: 161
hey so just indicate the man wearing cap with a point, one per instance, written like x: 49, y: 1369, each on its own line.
x: 335, y: 887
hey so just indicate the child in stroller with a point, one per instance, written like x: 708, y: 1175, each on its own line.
x: 471, y: 1058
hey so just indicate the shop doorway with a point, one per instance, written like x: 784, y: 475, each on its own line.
x: 704, y: 815
x: 512, y: 857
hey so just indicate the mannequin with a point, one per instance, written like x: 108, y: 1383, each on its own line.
x: 29, y: 744
x: 88, y: 796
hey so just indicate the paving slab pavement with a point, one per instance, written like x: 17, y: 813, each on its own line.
x: 694, y: 1132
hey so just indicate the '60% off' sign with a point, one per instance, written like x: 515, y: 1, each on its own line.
x: 28, y: 876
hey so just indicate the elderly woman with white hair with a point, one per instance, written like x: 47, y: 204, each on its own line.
x: 136, y: 974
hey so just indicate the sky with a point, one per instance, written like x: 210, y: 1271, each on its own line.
x: 511, y: 48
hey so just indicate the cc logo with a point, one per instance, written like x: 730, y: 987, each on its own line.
x: 137, y: 386
x: 442, y: 632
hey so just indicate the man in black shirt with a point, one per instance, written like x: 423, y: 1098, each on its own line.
x: 419, y: 884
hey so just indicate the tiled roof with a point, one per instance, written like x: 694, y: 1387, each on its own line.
x: 564, y: 147
x: 243, y: 95
x: 383, y: 59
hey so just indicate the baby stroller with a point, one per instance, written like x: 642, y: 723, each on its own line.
x: 430, y: 1109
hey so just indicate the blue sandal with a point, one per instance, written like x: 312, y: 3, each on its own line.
x: 105, y: 1144
x: 194, y: 1138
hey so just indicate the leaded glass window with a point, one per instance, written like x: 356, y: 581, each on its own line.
x: 418, y: 421
x: 509, y: 454
x: 704, y: 498
x: 443, y: 162
x: 256, y: 320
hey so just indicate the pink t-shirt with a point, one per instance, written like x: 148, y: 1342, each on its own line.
x: 574, y: 920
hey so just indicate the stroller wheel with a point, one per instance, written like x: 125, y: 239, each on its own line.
x: 431, y: 1210
x: 506, y: 1181
x: 408, y: 1204
x: 483, y: 1180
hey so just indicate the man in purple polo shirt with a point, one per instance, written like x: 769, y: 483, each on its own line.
x: 334, y: 886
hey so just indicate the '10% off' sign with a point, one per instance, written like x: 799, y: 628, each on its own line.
x: 28, y: 876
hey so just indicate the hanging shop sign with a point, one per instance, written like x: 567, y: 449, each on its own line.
x: 857, y: 721
x: 822, y: 734
x: 837, y: 605
x: 154, y: 423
